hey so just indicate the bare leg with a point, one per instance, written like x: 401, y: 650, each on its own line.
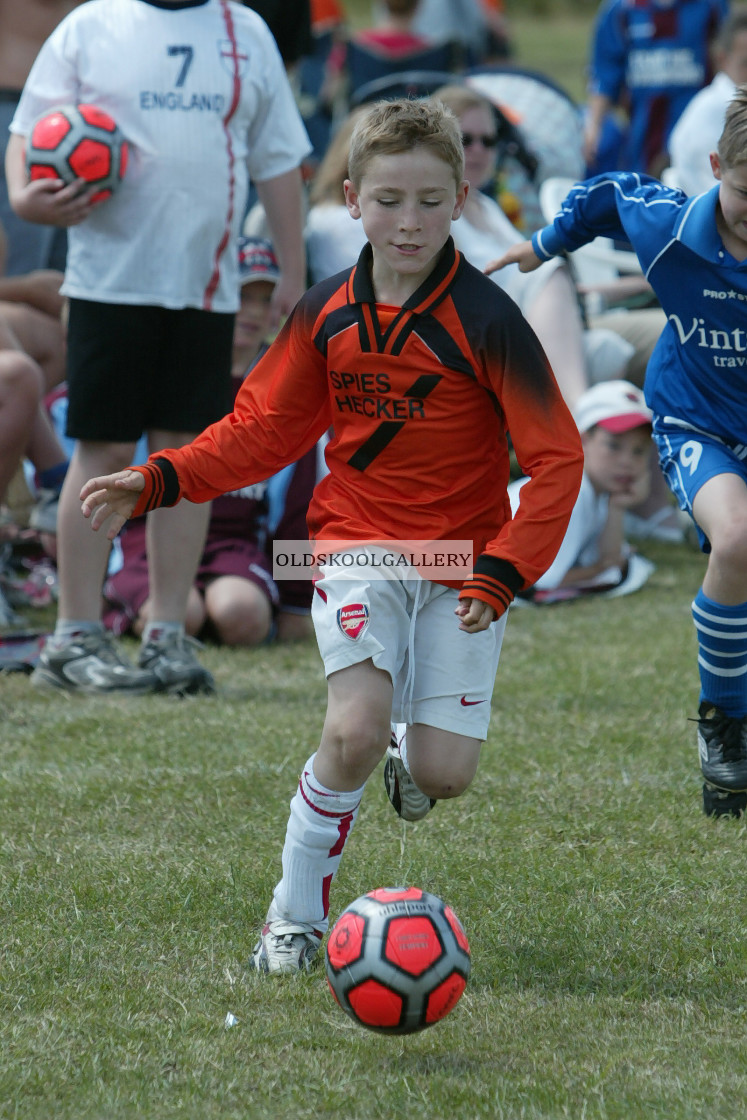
x: 176, y: 538
x: 442, y: 764
x: 82, y: 555
x: 40, y: 336
x: 556, y: 320
x: 44, y: 448
x: 194, y: 620
x: 325, y: 806
x: 720, y: 508
x: 356, y: 728
x: 20, y: 392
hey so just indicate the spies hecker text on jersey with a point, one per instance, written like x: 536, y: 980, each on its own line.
x: 368, y: 398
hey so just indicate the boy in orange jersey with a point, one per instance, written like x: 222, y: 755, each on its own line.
x: 421, y: 367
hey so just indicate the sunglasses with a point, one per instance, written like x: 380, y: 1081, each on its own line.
x: 487, y: 141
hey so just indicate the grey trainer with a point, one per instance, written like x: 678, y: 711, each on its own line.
x: 409, y: 802
x: 90, y: 662
x: 173, y: 660
x: 285, y: 947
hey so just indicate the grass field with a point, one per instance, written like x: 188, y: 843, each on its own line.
x: 140, y: 839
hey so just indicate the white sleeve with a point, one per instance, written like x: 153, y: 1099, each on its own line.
x: 52, y: 79
x: 587, y: 521
x: 278, y: 140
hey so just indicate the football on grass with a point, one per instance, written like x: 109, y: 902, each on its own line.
x: 77, y: 142
x: 397, y: 960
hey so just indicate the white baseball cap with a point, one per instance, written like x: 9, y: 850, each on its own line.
x: 617, y: 406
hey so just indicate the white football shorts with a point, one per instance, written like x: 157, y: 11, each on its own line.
x: 442, y: 676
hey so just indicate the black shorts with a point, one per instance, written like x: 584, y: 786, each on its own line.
x: 134, y: 369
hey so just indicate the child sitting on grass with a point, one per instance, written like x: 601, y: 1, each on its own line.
x: 594, y: 558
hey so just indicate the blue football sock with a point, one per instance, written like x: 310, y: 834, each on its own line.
x: 722, y: 653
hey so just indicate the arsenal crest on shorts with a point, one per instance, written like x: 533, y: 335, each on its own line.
x: 353, y: 619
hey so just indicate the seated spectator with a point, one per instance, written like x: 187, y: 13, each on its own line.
x: 594, y: 558
x: 550, y: 304
x: 23, y: 429
x: 544, y: 141
x: 32, y: 355
x: 617, y: 344
x: 696, y: 133
x: 33, y: 309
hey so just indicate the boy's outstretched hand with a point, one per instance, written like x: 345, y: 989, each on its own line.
x: 522, y: 254
x: 111, y: 496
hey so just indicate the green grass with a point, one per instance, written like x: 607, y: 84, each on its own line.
x: 140, y: 840
x: 557, y: 45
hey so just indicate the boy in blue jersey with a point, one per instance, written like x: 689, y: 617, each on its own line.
x: 693, y: 251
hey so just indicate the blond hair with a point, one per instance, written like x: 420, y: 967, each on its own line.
x: 392, y: 127
x: 732, y: 144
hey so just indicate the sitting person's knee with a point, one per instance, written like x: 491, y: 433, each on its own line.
x: 244, y: 628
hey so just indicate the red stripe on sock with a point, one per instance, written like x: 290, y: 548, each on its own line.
x: 326, y: 883
x: 321, y: 812
x: 343, y: 829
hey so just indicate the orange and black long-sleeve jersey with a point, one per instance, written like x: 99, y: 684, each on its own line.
x: 420, y: 399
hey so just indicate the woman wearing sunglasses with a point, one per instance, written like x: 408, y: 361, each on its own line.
x: 548, y: 300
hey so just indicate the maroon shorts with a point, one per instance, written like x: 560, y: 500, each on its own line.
x: 126, y: 590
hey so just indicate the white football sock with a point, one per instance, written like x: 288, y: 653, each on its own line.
x: 400, y: 734
x: 67, y: 628
x: 319, y: 824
